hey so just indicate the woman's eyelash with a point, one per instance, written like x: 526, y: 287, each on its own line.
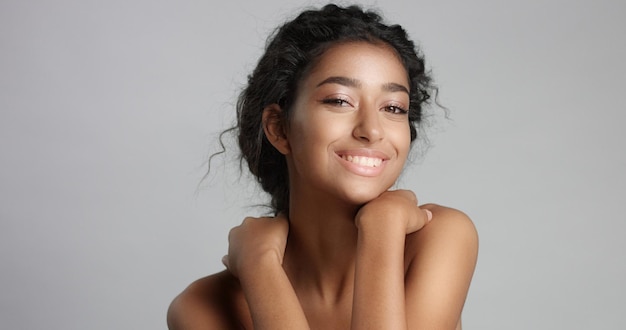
x: 336, y: 101
x: 396, y: 109
x: 342, y: 102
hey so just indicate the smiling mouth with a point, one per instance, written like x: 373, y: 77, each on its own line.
x: 363, y: 161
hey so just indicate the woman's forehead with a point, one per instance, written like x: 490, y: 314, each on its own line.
x: 360, y: 63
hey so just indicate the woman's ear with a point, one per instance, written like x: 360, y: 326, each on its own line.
x: 274, y: 128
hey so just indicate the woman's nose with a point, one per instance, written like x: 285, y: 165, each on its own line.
x: 368, y: 126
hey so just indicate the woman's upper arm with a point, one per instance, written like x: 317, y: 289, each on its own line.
x: 442, y: 259
x: 188, y: 311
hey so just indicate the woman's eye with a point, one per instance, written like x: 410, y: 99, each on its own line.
x: 337, y: 102
x: 395, y: 110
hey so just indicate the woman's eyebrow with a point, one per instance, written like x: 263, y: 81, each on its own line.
x: 351, y: 82
x: 345, y: 81
x: 394, y: 87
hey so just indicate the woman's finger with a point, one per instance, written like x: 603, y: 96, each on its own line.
x: 429, y: 215
x: 225, y: 261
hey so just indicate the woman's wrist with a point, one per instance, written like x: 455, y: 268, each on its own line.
x: 381, y: 223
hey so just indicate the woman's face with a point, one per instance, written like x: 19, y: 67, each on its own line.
x: 348, y: 132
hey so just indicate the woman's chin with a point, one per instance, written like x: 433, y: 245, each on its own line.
x: 359, y: 198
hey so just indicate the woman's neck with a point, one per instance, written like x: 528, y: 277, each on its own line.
x: 321, y: 247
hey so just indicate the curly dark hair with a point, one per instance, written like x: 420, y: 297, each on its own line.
x: 290, y: 52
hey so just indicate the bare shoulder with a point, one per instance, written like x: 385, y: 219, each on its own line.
x: 450, y: 232
x: 212, y: 302
x: 450, y: 222
x: 439, y: 264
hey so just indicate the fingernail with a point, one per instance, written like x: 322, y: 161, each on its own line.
x: 429, y: 215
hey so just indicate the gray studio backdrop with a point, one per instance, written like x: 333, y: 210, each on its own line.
x: 108, y: 110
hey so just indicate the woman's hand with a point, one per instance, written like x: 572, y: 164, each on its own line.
x: 397, y: 207
x: 254, y: 240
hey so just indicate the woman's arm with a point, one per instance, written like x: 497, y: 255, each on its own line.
x: 272, y: 300
x: 379, y: 276
x: 255, y: 254
x: 208, y: 303
x: 389, y: 296
x: 253, y: 293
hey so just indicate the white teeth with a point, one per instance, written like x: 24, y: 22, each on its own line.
x: 363, y: 161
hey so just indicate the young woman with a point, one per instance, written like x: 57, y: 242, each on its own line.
x: 325, y: 124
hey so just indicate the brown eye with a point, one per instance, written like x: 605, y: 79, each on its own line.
x: 336, y: 101
x: 395, y: 110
